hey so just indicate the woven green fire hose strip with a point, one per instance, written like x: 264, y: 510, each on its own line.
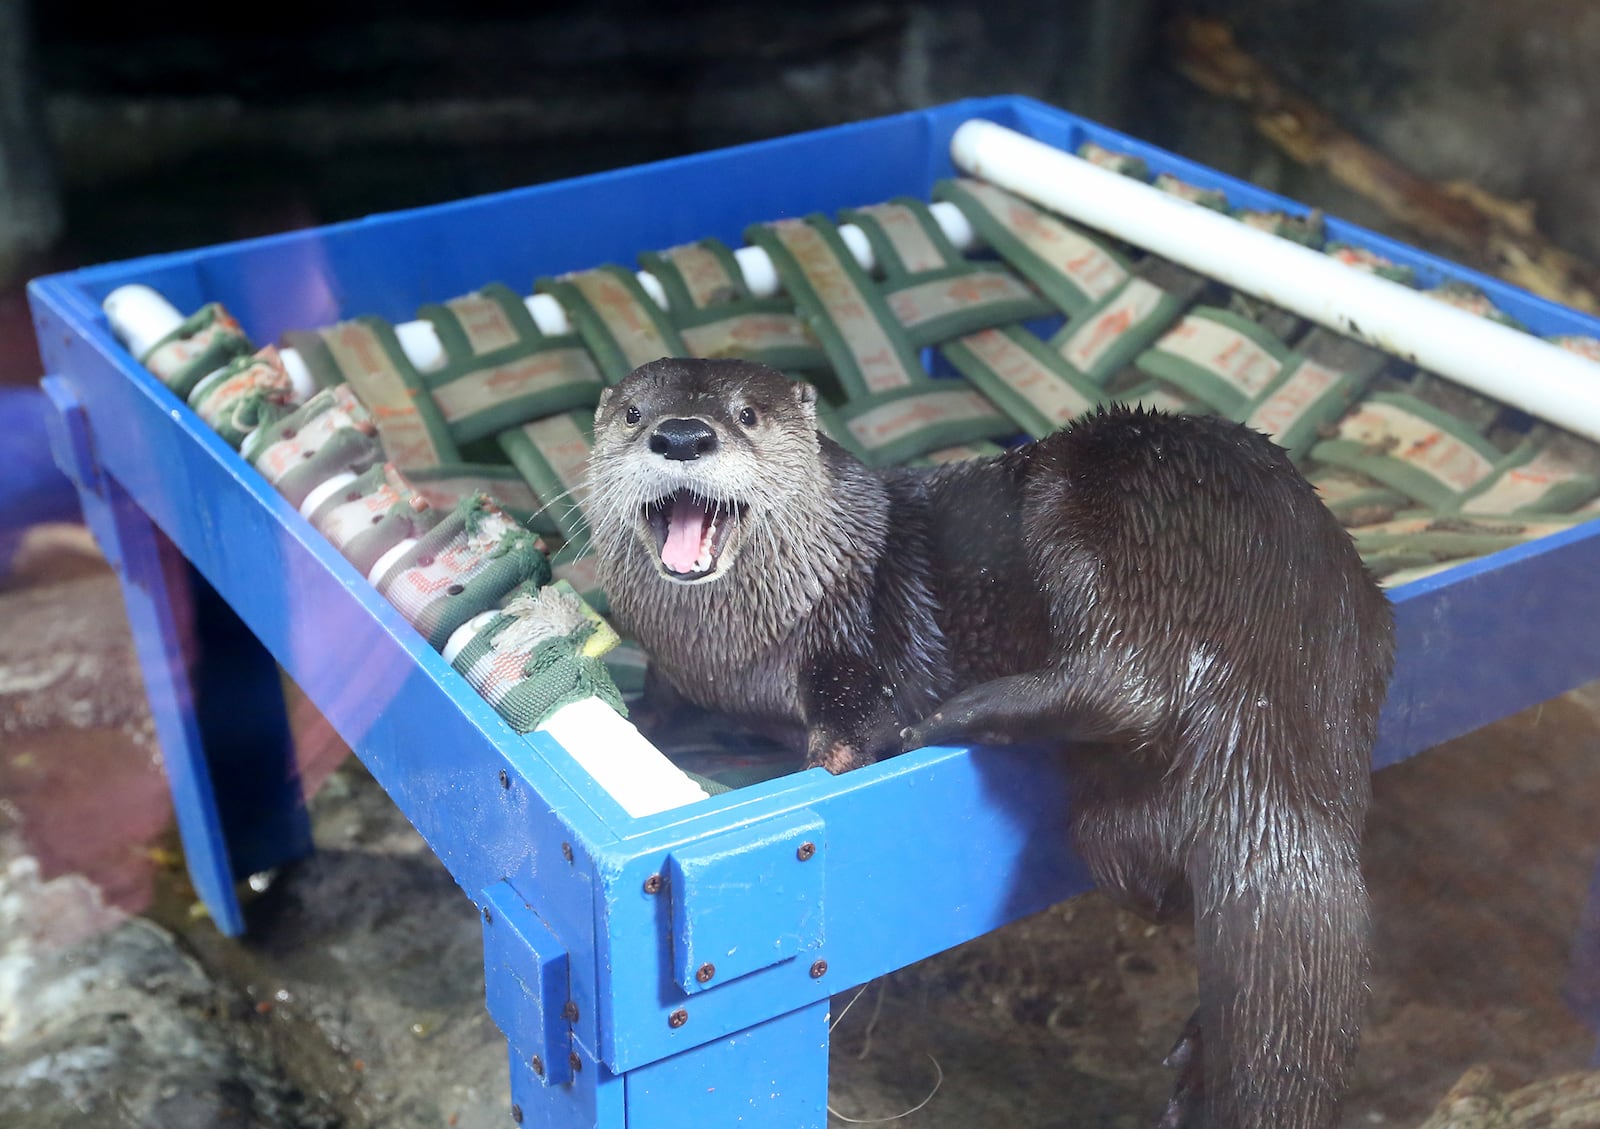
x: 447, y: 486
x: 372, y: 515
x: 552, y: 454
x: 461, y: 567
x: 1412, y: 447
x: 1217, y: 358
x: 202, y: 343
x: 1317, y: 387
x: 933, y: 291
x: 1070, y: 268
x: 717, y: 316
x: 500, y: 369
x: 247, y: 393
x: 331, y: 433
x: 893, y: 411
x: 538, y: 653
x: 617, y: 320
x: 366, y: 354
x: 1102, y: 340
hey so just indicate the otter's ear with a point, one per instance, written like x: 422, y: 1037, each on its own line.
x: 805, y: 396
x: 605, y: 398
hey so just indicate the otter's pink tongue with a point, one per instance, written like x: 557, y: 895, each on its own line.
x: 686, y: 533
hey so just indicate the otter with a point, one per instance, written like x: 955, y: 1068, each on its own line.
x: 1164, y: 598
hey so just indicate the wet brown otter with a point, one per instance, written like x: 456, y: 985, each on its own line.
x: 1164, y: 597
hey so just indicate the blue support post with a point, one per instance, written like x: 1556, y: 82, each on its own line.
x: 214, y: 692
x: 775, y: 1073
x: 1583, y: 976
x: 592, y: 1098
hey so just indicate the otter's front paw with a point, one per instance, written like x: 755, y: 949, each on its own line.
x: 954, y: 723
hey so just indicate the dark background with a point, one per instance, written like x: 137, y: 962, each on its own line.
x: 155, y: 127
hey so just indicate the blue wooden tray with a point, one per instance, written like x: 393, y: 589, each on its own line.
x: 593, y: 920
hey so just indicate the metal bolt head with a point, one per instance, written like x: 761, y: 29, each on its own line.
x: 566, y: 851
x: 488, y: 917
x: 819, y: 969
x: 569, y: 1012
x: 678, y: 1018
x: 516, y: 1114
x: 807, y: 849
x: 575, y: 1062
x: 653, y: 884
x: 538, y: 1065
x: 705, y: 972
x: 505, y: 779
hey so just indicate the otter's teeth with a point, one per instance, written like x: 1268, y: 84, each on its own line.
x: 703, y: 561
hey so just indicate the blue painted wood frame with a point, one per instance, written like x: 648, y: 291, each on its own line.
x: 917, y: 854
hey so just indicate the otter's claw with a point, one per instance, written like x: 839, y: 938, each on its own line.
x: 1187, y: 1058
x: 922, y: 734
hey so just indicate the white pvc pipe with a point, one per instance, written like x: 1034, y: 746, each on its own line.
x: 141, y: 316
x: 1502, y: 363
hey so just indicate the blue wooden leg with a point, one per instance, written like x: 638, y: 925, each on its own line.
x: 1583, y: 979
x: 214, y: 692
x: 775, y: 1073
x: 591, y: 1099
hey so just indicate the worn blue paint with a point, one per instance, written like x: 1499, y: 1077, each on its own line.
x: 745, y: 900
x: 919, y: 853
x: 770, y: 1075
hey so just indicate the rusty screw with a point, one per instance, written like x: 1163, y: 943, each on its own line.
x: 488, y: 918
x: 807, y: 849
x: 819, y: 970
x: 653, y: 884
x: 569, y: 1012
x: 505, y: 779
x: 677, y: 1019
x: 705, y: 972
x: 538, y: 1065
x: 575, y: 1062
x: 566, y: 851
x: 516, y: 1114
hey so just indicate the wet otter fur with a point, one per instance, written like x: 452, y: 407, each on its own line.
x: 1163, y: 597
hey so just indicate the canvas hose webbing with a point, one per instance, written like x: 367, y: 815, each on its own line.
x: 247, y: 393
x: 365, y: 354
x: 500, y: 370
x: 541, y: 650
x: 331, y: 433
x: 461, y: 567
x: 892, y: 409
x: 202, y: 343
x: 373, y: 514
x: 716, y: 315
x: 447, y: 486
x: 1043, y: 322
x: 621, y: 324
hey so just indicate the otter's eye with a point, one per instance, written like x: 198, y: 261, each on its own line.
x: 747, y: 416
x: 631, y: 415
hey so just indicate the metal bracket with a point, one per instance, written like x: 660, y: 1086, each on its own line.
x: 746, y: 900
x: 527, y: 984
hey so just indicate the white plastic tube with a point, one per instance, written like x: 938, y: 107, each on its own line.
x: 1502, y: 363
x: 140, y: 316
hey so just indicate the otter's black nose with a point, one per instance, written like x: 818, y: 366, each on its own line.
x: 683, y: 439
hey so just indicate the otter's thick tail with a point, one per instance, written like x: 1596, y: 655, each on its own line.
x: 1282, y: 952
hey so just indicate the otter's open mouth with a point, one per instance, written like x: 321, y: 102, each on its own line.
x: 691, y: 533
